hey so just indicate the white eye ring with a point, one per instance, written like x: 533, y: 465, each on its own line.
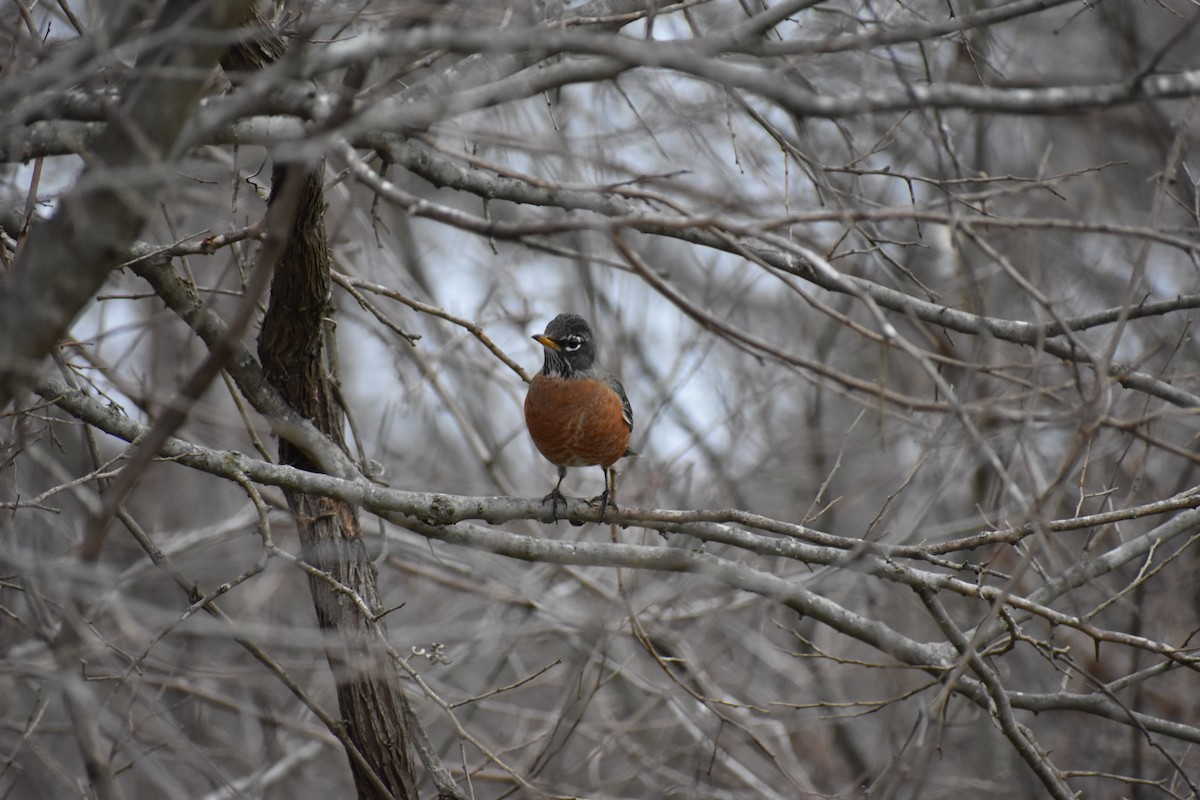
x: 572, y: 344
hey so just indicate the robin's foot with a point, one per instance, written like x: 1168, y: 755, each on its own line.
x: 605, y: 501
x: 555, y: 498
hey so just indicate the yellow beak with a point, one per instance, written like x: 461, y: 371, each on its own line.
x: 547, y: 342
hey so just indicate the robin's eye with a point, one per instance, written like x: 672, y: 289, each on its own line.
x: 572, y: 344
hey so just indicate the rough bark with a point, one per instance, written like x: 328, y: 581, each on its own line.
x: 291, y: 345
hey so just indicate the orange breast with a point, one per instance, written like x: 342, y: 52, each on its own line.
x: 576, y: 422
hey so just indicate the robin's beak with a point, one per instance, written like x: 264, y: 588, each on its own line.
x: 547, y: 342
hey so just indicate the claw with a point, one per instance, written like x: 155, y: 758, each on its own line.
x: 603, y: 500
x: 555, y: 497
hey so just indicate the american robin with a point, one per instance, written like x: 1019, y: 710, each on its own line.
x: 577, y: 415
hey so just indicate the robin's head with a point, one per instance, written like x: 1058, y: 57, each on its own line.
x: 570, y: 348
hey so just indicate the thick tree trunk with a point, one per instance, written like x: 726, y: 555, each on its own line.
x: 291, y: 348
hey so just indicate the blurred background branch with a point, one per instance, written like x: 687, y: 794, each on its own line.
x: 902, y: 295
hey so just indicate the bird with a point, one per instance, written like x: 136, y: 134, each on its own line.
x: 577, y: 415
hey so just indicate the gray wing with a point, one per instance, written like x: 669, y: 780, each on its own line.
x: 626, y: 409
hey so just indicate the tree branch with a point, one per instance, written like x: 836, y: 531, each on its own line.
x: 64, y: 262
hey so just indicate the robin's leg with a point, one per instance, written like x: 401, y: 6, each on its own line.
x: 556, y: 495
x: 606, y: 498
